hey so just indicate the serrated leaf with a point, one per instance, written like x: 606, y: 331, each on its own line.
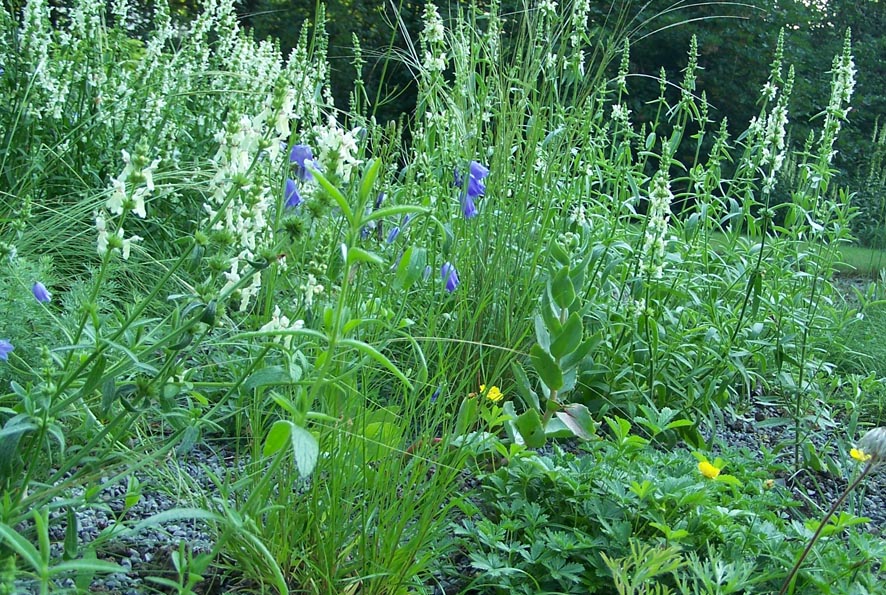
x: 306, y: 450
x: 547, y: 369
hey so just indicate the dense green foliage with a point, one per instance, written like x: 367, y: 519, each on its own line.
x: 369, y: 318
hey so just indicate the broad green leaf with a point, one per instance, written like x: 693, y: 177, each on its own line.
x: 562, y: 289
x: 529, y: 426
x: 270, y: 376
x: 411, y: 267
x: 277, y: 437
x: 571, y: 360
x: 382, y: 438
x: 467, y: 416
x: 547, y: 369
x: 578, y: 419
x: 559, y: 254
x: 305, y: 448
x: 569, y: 337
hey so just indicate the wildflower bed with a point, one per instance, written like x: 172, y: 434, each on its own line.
x: 283, y: 342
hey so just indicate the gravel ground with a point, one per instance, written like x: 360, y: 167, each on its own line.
x: 147, y: 553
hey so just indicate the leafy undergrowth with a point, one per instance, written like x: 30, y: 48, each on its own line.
x: 197, y: 246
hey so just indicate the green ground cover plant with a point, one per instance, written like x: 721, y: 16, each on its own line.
x: 199, y: 251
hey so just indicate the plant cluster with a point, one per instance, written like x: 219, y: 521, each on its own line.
x: 198, y: 248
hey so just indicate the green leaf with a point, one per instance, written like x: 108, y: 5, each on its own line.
x: 71, y: 541
x: 559, y: 254
x: 360, y: 255
x: 270, y: 376
x: 382, y: 438
x: 578, y: 419
x: 467, y: 416
x: 529, y: 426
x: 524, y: 389
x: 94, y: 377
x: 277, y: 437
x: 305, y: 447
x: 562, y: 289
x: 78, y: 566
x: 375, y: 354
x: 570, y: 360
x: 21, y: 546
x: 547, y: 369
x: 411, y: 267
x: 389, y: 212
x: 337, y: 196
x: 306, y: 450
x: 368, y: 181
x: 569, y: 337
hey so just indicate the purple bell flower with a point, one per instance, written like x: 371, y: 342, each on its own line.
x: 41, y: 293
x: 293, y: 198
x: 450, y: 277
x: 5, y: 349
x: 474, y: 188
x: 302, y: 156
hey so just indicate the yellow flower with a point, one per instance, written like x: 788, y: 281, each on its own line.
x: 495, y: 395
x: 859, y: 455
x: 708, y: 470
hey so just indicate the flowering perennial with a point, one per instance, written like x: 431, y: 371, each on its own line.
x: 657, y: 227
x: 5, y: 349
x: 450, y: 277
x: 494, y: 394
x: 474, y: 188
x: 708, y: 470
x: 40, y: 292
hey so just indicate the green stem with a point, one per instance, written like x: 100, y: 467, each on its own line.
x: 821, y: 526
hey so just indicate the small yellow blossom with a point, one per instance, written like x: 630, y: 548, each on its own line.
x: 859, y: 455
x: 768, y: 484
x: 708, y: 470
x: 495, y: 395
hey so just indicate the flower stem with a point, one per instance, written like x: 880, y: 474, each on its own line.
x: 821, y: 526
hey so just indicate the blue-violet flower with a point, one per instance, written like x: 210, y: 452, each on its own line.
x: 293, y: 198
x: 5, y: 349
x: 41, y: 293
x: 302, y: 157
x: 450, y: 276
